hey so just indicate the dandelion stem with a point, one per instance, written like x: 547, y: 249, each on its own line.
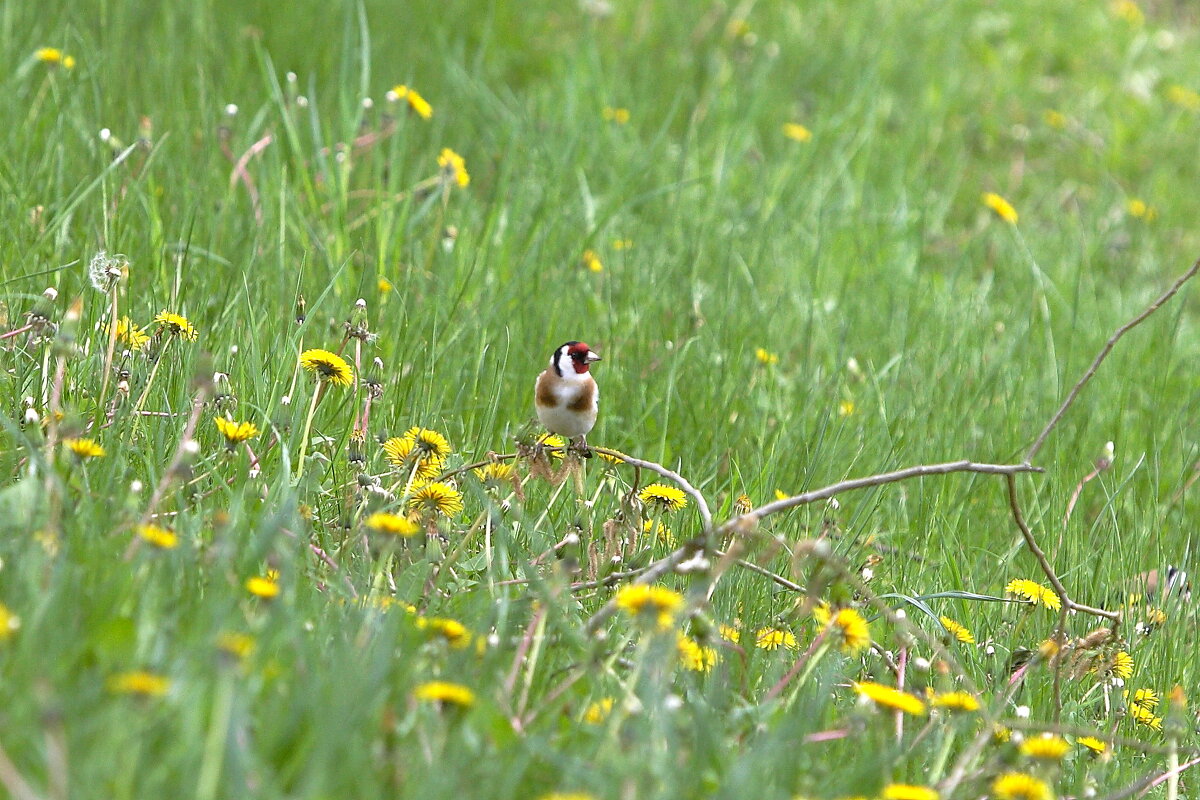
x: 108, y: 356
x: 312, y: 411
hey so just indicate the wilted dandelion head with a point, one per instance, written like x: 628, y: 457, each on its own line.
x: 663, y: 497
x: 176, y: 325
x: 327, y: 367
x: 436, y: 497
x: 445, y: 693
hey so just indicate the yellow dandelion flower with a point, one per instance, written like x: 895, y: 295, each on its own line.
x: 265, y: 588
x: 139, y: 682
x: 454, y: 168
x: 496, y: 473
x: 657, y: 602
x: 1092, y: 743
x: 1144, y: 716
x: 957, y: 630
x: 429, y: 441
x: 1183, y: 97
x: 436, y: 498
x: 846, y: 625
x: 48, y: 55
x: 622, y: 244
x: 772, y: 638
x: 1122, y: 665
x: 609, y: 457
x: 1146, y: 698
x: 453, y: 631
x: 955, y: 701
x: 1128, y: 11
x: 765, y: 356
x: 781, y: 495
x: 659, y: 531
x: 419, y: 105
x: 238, y: 645
x: 729, y: 633
x: 445, y: 693
x: 567, y: 796
x: 617, y: 115
x: 1021, y: 786
x: 159, y: 537
x: 591, y: 261
x: 695, y: 656
x: 176, y: 325
x: 796, y: 132
x: 555, y: 441
x: 1046, y: 747
x: 383, y: 285
x: 328, y: 367
x: 888, y: 697
x: 1140, y: 209
x: 1032, y: 590
x: 1001, y: 207
x: 907, y: 791
x: 1001, y: 734
x: 1155, y: 617
x: 598, y: 711
x: 129, y: 334
x: 10, y: 623
x: 845, y: 408
x: 396, y: 525
x: 235, y: 432
x: 403, y: 453
x: 666, y: 498
x: 1055, y: 119
x: 84, y: 448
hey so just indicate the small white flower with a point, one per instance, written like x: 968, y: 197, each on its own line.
x: 368, y: 103
x: 231, y: 110
x: 1022, y: 712
x: 105, y: 135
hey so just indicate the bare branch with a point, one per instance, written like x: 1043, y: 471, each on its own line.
x: 1103, y: 354
x: 691, y: 491
x: 873, y: 480
x: 1044, y: 563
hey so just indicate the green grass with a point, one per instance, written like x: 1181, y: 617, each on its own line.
x: 718, y: 235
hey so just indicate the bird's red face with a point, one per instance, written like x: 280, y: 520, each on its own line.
x: 581, y: 356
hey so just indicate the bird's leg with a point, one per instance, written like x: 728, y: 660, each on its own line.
x: 579, y: 445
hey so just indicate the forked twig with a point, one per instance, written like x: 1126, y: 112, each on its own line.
x: 1103, y: 354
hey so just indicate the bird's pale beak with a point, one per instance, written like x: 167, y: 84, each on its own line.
x: 592, y: 357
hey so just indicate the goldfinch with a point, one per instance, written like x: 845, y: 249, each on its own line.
x: 566, y: 395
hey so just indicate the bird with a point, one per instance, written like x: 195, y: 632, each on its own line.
x: 566, y: 395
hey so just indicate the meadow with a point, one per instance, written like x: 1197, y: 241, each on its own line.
x: 275, y: 518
